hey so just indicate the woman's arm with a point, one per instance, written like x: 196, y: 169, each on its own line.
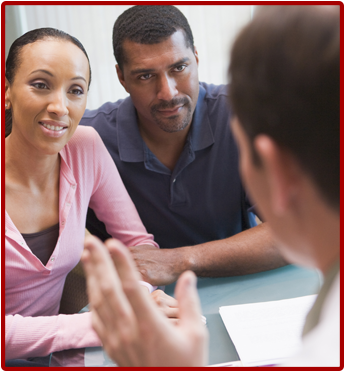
x: 111, y: 201
x: 39, y: 336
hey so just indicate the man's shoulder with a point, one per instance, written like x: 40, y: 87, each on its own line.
x: 108, y: 117
x: 108, y: 108
x: 214, y: 100
x: 214, y: 92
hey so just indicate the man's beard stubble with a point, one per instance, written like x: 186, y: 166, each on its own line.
x: 174, y: 123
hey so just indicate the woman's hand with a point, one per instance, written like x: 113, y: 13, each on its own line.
x: 167, y: 304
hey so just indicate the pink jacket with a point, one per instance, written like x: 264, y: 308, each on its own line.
x: 88, y: 176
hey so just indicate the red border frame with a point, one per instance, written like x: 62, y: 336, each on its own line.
x: 3, y: 28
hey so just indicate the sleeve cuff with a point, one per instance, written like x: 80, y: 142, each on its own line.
x: 150, y: 287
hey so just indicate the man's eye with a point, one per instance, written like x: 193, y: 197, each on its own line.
x: 39, y: 85
x: 145, y: 77
x: 180, y: 68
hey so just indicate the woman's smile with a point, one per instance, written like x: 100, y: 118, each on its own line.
x: 53, y: 128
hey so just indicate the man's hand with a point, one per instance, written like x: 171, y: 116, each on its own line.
x: 133, y: 330
x: 158, y: 266
x: 247, y: 252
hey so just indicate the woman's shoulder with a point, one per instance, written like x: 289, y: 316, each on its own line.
x: 83, y: 133
x: 82, y: 143
x: 83, y: 138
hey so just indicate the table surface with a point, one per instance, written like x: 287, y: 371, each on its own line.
x: 286, y: 282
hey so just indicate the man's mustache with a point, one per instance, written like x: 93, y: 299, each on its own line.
x: 165, y: 105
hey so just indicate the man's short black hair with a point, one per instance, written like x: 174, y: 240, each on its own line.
x: 285, y: 83
x: 148, y: 24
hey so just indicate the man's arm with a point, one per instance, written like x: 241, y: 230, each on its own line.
x: 132, y: 329
x: 248, y: 252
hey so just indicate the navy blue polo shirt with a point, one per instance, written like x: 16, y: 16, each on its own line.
x: 202, y: 199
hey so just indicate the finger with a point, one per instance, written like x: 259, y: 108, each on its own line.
x: 112, y: 316
x: 162, y: 299
x: 141, y: 303
x: 123, y: 261
x: 170, y: 301
x: 104, y: 287
x: 92, y: 278
x: 170, y: 312
x: 95, y: 295
x: 100, y: 327
x: 173, y: 321
x: 188, y: 299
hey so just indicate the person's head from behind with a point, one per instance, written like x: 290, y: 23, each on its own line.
x: 285, y: 93
x: 157, y: 65
x: 47, y: 78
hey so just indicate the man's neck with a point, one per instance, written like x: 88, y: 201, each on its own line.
x: 325, y: 237
x: 167, y: 147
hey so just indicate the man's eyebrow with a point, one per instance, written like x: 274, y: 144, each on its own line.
x: 150, y: 70
x: 181, y: 61
x: 52, y: 75
x: 142, y: 71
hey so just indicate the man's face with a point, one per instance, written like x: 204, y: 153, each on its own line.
x: 163, y: 82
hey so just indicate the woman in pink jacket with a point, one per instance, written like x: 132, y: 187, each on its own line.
x: 54, y: 171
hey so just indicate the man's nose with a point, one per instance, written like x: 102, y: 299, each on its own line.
x: 166, y: 89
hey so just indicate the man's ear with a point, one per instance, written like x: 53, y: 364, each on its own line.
x: 196, y: 55
x: 282, y: 172
x: 121, y: 77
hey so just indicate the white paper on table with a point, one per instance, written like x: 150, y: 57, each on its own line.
x: 267, y: 333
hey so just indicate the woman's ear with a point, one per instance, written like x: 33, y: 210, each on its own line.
x: 282, y: 172
x: 7, y: 95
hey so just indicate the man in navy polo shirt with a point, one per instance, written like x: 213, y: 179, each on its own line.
x: 174, y: 150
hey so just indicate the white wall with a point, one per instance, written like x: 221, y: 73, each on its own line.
x: 214, y: 28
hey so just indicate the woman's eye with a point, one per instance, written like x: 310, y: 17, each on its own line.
x: 76, y: 91
x: 39, y: 85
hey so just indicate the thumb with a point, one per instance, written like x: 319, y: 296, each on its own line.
x: 188, y: 300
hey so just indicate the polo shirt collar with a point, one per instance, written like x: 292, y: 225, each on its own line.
x: 131, y: 144
x: 201, y: 134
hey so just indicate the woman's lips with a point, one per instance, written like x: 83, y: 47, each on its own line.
x: 53, y: 129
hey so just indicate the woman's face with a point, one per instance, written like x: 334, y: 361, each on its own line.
x: 48, y: 94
